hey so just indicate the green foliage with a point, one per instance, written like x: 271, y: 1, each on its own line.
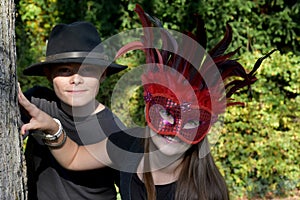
x: 256, y: 24
x: 35, y: 20
x: 128, y: 103
x: 258, y: 148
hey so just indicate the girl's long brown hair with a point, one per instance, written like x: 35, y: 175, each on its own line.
x: 199, y: 178
x: 147, y: 176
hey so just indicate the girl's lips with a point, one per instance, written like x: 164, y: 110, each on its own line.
x: 171, y: 139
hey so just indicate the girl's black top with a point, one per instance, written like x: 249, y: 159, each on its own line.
x: 125, y: 149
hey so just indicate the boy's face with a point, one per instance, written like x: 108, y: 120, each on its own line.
x: 74, y: 84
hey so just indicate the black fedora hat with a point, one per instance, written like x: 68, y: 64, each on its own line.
x: 74, y: 43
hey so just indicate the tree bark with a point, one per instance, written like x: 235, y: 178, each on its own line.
x: 12, y: 164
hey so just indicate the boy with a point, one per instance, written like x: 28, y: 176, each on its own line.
x: 75, y: 65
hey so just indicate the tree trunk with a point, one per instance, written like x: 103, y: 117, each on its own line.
x: 12, y: 167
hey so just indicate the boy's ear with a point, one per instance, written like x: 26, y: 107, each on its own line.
x: 47, y: 73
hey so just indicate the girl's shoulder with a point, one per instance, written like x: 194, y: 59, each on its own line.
x: 129, y: 139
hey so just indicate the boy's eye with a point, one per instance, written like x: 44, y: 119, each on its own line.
x: 191, y: 124
x: 86, y: 70
x: 89, y: 71
x: 64, y: 72
x: 167, y: 117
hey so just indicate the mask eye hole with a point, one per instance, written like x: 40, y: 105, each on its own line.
x: 191, y: 124
x: 166, y: 116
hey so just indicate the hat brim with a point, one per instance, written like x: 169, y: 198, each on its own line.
x: 37, y: 69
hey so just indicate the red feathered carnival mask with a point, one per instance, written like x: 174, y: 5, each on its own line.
x: 186, y: 89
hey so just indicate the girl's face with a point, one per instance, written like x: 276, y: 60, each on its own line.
x: 74, y: 84
x: 186, y: 121
x: 168, y: 145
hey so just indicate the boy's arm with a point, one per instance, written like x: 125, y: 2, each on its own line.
x: 69, y: 155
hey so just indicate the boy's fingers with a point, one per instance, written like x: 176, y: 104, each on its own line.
x: 24, y: 129
x: 22, y: 98
x: 29, y: 126
x: 24, y: 135
x: 25, y: 103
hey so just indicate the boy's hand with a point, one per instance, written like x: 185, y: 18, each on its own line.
x: 39, y: 119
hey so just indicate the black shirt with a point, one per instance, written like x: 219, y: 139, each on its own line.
x: 163, y: 192
x: 47, y: 180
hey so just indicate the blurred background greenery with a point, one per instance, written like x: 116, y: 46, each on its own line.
x: 258, y: 148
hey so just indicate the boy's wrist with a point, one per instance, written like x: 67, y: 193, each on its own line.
x: 56, y: 135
